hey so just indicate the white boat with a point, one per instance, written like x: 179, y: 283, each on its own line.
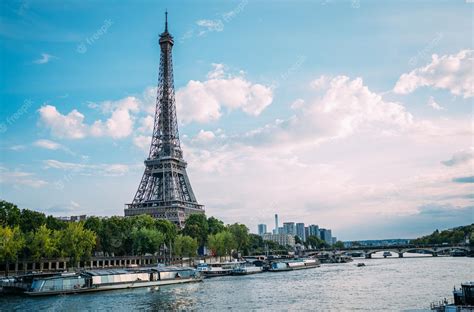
x: 218, y: 268
x: 290, y: 265
x: 245, y: 270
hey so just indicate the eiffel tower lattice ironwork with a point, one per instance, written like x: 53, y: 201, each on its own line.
x: 165, y: 191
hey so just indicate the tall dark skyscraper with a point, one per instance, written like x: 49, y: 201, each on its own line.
x: 165, y: 191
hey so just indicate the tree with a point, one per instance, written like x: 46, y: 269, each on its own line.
x: 146, y: 240
x: 298, y: 240
x: 75, y: 242
x: 185, y: 246
x: 196, y: 226
x: 338, y: 245
x: 42, y: 243
x: 12, y: 242
x: 53, y: 223
x: 9, y: 214
x: 215, y: 225
x: 167, y: 228
x: 222, y: 243
x: 241, y: 235
x: 31, y: 220
x: 316, y: 242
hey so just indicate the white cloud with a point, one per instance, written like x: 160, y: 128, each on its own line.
x: 209, y: 26
x: 18, y: 147
x: 45, y: 58
x: 204, y: 136
x: 19, y: 178
x: 432, y: 103
x: 346, y: 107
x: 450, y: 72
x: 147, y: 124
x: 297, y: 104
x: 203, y: 101
x: 142, y: 142
x: 461, y: 157
x: 320, y: 83
x: 47, y: 144
x: 91, y: 169
x: 72, y: 126
x: 69, y: 126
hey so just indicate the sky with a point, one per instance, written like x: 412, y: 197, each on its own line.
x: 355, y: 115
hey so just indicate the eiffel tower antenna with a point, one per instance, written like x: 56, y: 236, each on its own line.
x: 164, y: 191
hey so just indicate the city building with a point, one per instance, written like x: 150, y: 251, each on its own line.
x: 306, y: 232
x: 73, y: 218
x: 289, y: 228
x: 314, y: 230
x: 282, y: 239
x: 262, y: 229
x: 326, y: 236
x: 334, y: 240
x: 300, y: 231
x: 276, y: 224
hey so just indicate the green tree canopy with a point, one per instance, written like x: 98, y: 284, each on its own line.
x: 215, y: 225
x: 196, y: 226
x: 75, y: 242
x: 146, y: 240
x: 241, y: 235
x: 9, y: 214
x: 185, y: 246
x: 42, y: 243
x: 12, y: 242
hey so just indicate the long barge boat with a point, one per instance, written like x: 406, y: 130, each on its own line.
x: 103, y: 280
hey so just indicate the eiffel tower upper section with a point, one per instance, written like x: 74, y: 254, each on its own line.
x: 165, y: 191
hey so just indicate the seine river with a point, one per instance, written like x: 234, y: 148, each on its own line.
x: 408, y: 284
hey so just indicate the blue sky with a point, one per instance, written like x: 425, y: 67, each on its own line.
x: 328, y: 112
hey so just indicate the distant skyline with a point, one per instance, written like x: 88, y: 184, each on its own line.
x: 354, y: 115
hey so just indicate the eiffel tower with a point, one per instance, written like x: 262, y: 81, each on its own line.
x: 165, y: 191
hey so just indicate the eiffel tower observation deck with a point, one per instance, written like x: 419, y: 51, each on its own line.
x: 165, y: 191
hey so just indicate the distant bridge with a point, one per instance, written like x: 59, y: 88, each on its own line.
x: 368, y: 251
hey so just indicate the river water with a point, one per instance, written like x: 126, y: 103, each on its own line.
x: 391, y: 284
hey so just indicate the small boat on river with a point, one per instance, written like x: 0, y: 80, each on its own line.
x: 246, y: 270
x: 290, y: 265
x: 218, y: 268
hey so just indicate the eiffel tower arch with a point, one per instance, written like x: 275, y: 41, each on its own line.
x: 164, y: 191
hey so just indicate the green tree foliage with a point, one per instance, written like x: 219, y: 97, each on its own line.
x: 222, y: 243
x: 9, y: 214
x: 146, y: 240
x: 167, y: 228
x: 75, y: 242
x: 298, y: 240
x: 197, y: 227
x: 215, y: 225
x: 12, y: 242
x: 42, y: 243
x: 241, y: 235
x: 338, y: 245
x: 451, y: 236
x: 31, y: 220
x: 315, y: 242
x: 185, y: 246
